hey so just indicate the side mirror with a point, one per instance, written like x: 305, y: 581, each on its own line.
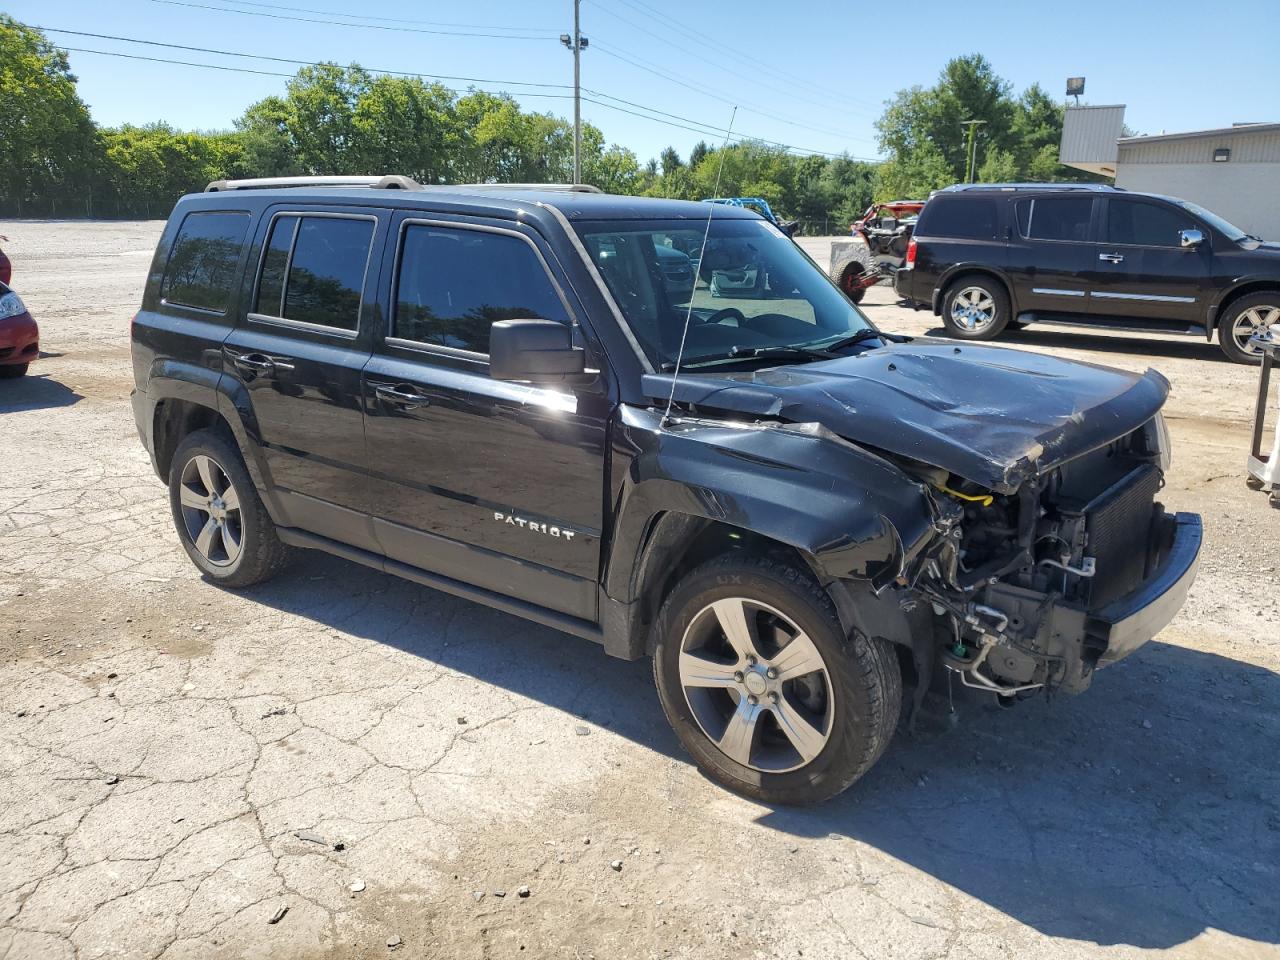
x: 537, y: 351
x: 1190, y: 238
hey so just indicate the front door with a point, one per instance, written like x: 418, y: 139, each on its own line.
x: 500, y: 485
x: 299, y: 354
x: 1139, y: 270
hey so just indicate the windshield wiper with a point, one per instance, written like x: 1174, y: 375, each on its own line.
x: 786, y: 351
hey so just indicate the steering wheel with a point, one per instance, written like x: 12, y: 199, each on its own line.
x: 725, y: 313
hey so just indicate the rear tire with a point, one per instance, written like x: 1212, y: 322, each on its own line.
x: 220, y: 519
x: 12, y: 371
x: 975, y: 307
x: 1257, y: 311
x: 825, y: 705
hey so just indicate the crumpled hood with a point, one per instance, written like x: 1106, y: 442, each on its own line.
x: 994, y: 416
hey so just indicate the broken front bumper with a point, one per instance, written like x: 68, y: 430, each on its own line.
x: 1128, y: 622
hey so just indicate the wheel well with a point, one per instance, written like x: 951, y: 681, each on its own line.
x: 677, y: 545
x: 1244, y: 290
x: 971, y: 272
x: 174, y: 420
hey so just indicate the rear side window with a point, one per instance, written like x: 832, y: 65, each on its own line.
x: 202, y: 262
x: 1146, y: 224
x: 453, y: 284
x: 972, y: 218
x: 313, y: 270
x: 1055, y: 218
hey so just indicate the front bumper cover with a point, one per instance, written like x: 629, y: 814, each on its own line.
x: 1127, y: 623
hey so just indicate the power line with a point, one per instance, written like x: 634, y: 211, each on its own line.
x: 307, y: 63
x: 718, y: 46
x: 540, y: 31
x: 701, y: 53
x: 673, y: 120
x: 271, y: 73
x: 345, y: 23
x: 610, y: 52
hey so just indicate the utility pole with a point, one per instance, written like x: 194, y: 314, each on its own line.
x: 971, y: 164
x: 576, y: 43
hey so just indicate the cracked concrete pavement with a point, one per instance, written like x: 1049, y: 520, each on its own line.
x: 171, y: 753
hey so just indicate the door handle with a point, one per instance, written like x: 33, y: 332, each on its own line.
x: 401, y: 395
x: 1111, y: 257
x: 260, y: 363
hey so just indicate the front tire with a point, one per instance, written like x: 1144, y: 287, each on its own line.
x: 219, y: 516
x: 764, y: 689
x: 11, y: 371
x: 1254, y: 313
x: 975, y: 308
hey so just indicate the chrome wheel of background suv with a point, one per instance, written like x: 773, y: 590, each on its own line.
x: 756, y: 684
x: 211, y: 511
x: 1253, y: 320
x: 973, y: 309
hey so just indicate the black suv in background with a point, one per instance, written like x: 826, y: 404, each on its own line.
x: 990, y: 256
x: 474, y: 388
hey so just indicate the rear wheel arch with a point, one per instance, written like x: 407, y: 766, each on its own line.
x: 946, y: 281
x: 174, y: 420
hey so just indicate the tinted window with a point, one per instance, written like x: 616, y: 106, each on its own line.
x: 326, y: 272
x: 453, y: 284
x: 1146, y: 223
x: 202, y: 263
x: 969, y: 217
x: 271, y: 285
x: 1058, y: 218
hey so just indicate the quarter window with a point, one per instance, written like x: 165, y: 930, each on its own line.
x: 202, y: 264
x: 1055, y: 218
x: 313, y: 270
x: 453, y: 284
x: 1146, y: 224
x: 962, y: 217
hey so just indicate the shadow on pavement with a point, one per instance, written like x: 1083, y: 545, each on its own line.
x: 1143, y: 812
x: 34, y: 392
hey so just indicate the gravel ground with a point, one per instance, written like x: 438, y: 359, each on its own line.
x: 340, y: 764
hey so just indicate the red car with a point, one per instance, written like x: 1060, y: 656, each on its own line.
x: 19, y: 335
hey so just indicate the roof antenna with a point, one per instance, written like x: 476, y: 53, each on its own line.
x: 697, y: 271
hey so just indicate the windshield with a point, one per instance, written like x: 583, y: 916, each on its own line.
x: 1226, y: 228
x: 755, y: 289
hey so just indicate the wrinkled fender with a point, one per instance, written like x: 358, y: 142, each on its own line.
x: 850, y: 513
x: 237, y: 409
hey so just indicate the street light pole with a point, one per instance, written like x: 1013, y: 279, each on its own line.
x: 970, y: 167
x: 577, y: 43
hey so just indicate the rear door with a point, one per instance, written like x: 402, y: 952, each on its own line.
x: 1140, y: 271
x: 1049, y: 252
x: 497, y: 484
x: 299, y: 354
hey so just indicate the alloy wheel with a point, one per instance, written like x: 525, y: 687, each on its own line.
x: 757, y: 685
x: 211, y: 511
x: 973, y: 309
x: 1253, y: 320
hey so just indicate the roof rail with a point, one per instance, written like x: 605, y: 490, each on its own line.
x: 1013, y: 187
x: 390, y: 182
x: 566, y: 187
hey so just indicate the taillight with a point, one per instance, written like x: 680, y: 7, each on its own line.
x: 911, y: 253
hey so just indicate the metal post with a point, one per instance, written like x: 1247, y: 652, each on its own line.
x: 577, y: 94
x: 972, y: 159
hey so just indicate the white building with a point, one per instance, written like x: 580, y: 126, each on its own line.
x: 1234, y: 171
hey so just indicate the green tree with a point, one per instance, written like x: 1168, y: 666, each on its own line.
x: 48, y: 143
x: 913, y: 175
x: 402, y: 125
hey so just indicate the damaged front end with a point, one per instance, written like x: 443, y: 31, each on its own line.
x: 1036, y: 589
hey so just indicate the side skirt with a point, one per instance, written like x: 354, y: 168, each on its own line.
x: 520, y: 608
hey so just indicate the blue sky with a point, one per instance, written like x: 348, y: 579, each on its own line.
x: 813, y: 75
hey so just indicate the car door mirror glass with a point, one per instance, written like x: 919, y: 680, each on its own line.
x: 1190, y: 238
x: 535, y: 351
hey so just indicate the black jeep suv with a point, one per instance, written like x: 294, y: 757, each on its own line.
x: 986, y: 257
x: 475, y: 388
